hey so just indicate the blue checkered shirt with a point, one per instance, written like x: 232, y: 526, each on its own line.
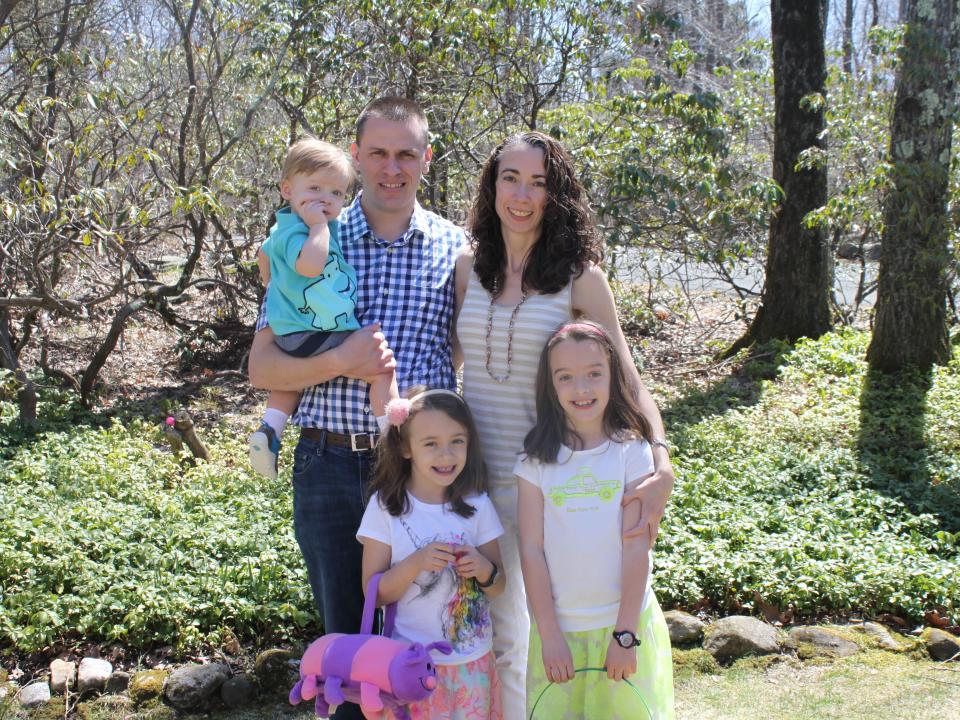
x: 406, y: 286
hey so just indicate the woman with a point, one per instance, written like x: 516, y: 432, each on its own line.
x: 534, y: 264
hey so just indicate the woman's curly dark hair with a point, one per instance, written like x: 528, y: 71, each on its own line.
x: 568, y: 237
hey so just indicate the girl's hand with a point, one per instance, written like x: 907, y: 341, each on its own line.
x: 621, y: 662
x: 471, y: 564
x: 652, y: 492
x: 557, y: 660
x: 433, y: 557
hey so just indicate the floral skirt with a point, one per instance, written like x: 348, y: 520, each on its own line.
x: 470, y: 691
x: 591, y: 695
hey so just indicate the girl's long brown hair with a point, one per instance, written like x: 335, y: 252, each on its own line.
x: 568, y: 238
x: 392, y: 471
x: 621, y: 417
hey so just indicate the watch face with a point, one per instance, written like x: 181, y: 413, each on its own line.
x: 626, y: 639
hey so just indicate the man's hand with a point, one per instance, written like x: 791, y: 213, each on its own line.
x: 652, y: 492
x: 365, y: 354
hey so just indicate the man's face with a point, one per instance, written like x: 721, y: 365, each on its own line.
x: 391, y: 158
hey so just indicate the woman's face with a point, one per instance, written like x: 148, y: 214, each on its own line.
x: 521, y: 192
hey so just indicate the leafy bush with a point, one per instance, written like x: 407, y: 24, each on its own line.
x: 790, y: 497
x: 104, y: 536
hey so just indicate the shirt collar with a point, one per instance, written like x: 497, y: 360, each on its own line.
x: 356, y: 218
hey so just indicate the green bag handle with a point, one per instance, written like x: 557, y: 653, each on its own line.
x: 592, y: 669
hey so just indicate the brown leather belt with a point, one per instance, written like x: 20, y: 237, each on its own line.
x: 358, y: 442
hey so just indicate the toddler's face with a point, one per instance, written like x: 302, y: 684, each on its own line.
x: 317, y: 196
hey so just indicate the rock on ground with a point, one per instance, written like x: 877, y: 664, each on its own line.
x: 824, y: 641
x: 118, y: 682
x: 940, y: 644
x: 35, y: 695
x: 883, y: 637
x: 62, y: 675
x: 93, y: 674
x: 684, y: 627
x: 274, y: 671
x: 192, y: 686
x: 238, y: 691
x: 147, y: 685
x: 739, y: 635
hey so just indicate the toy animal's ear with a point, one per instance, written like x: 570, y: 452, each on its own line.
x: 444, y: 647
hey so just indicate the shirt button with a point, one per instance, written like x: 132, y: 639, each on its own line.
x: 386, y: 292
x: 366, y: 409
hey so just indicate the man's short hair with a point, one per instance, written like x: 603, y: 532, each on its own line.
x: 396, y: 109
x: 309, y: 154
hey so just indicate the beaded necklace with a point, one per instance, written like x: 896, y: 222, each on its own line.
x: 513, y: 319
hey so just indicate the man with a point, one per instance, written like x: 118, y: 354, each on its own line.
x: 404, y: 257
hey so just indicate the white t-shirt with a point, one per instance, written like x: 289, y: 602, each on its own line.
x: 582, y: 521
x: 438, y: 605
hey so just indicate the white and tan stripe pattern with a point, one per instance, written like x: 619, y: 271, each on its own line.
x: 505, y: 412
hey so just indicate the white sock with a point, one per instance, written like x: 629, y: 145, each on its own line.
x: 382, y: 423
x: 277, y: 419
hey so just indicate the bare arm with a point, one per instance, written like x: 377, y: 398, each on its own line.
x: 313, y: 254
x: 634, y: 566
x: 263, y: 265
x: 395, y: 581
x: 461, y: 280
x: 557, y: 660
x: 364, y: 355
x: 593, y: 298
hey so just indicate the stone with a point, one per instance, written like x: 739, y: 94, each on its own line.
x: 824, y: 641
x: 35, y: 695
x: 880, y: 635
x: 274, y: 672
x: 193, y: 686
x: 685, y: 628
x: 739, y: 635
x: 146, y: 685
x: 238, y: 691
x: 93, y: 674
x: 940, y: 644
x: 63, y: 674
x: 118, y: 682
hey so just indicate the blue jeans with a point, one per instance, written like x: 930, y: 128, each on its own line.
x: 329, y: 488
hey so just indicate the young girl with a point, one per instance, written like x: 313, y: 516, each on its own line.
x: 588, y: 586
x: 433, y: 532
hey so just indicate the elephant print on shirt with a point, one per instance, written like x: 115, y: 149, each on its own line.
x: 336, y: 281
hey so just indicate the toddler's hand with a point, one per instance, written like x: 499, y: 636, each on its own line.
x: 434, y: 557
x: 312, y: 213
x: 470, y: 563
x: 557, y: 660
x: 621, y: 662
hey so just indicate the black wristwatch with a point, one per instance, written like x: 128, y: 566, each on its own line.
x: 626, y: 639
x: 492, y: 579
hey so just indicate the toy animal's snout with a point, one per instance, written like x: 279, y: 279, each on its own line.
x: 430, y: 682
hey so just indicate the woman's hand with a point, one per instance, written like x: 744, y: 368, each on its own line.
x: 433, y: 557
x: 557, y: 660
x: 471, y: 564
x: 621, y: 662
x: 652, y: 492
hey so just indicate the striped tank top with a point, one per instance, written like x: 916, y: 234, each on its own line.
x: 505, y: 412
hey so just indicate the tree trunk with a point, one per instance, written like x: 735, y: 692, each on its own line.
x: 910, y: 328
x: 848, y: 37
x: 27, y: 394
x: 799, y: 270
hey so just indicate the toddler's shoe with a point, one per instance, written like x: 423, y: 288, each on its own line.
x: 264, y: 449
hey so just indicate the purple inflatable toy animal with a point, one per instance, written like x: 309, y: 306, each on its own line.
x: 371, y: 670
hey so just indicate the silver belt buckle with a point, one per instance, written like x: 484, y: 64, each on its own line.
x: 353, y: 441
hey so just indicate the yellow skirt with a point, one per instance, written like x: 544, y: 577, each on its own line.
x: 591, y: 695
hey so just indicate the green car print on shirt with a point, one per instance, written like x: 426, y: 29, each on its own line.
x: 584, y: 484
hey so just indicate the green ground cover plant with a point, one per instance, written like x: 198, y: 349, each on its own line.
x: 787, y: 487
